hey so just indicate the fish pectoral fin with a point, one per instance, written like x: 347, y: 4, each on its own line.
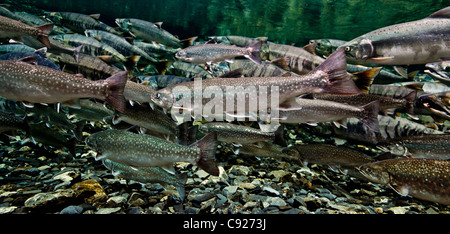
x: 169, y: 168
x: 382, y: 58
x: 402, y: 190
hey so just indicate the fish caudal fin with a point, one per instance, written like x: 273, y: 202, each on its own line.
x: 410, y: 101
x: 371, y: 111
x: 43, y: 35
x: 182, y: 178
x: 208, y: 145
x: 335, y: 69
x: 364, y: 79
x: 254, y: 52
x: 116, y: 87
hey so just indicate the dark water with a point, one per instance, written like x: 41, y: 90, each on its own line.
x: 283, y: 21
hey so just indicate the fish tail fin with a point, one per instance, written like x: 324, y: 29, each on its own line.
x: 364, y: 79
x: 188, y: 42
x: 44, y: 29
x: 335, y: 69
x: 186, y: 134
x: 182, y: 178
x: 116, y: 84
x: 254, y: 52
x: 161, y: 67
x: 371, y: 111
x: 410, y: 101
x: 279, y: 136
x: 208, y: 145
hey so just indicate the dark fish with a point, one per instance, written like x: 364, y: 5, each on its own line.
x: 153, y: 120
x: 119, y: 43
x: 302, y: 110
x: 188, y: 70
x: 163, y: 81
x: 51, y: 137
x: 92, y: 111
x: 426, y: 179
x: 138, y: 150
x: 435, y: 146
x: 325, y: 47
x: 139, y: 93
x: 151, y: 32
x: 416, y: 42
x: 330, y: 155
x: 11, y: 122
x: 251, y: 69
x: 38, y: 84
x: 27, y: 18
x: 89, y: 66
x: 10, y: 28
x: 405, y: 104
x: 40, y: 55
x: 390, y: 128
x: 79, y: 22
x: 213, y: 53
x: 239, y: 134
x: 148, y: 175
x: 16, y: 47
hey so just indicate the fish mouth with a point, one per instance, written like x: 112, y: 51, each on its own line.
x: 433, y: 103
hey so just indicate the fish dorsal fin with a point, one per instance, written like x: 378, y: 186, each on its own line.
x: 95, y: 16
x: 443, y: 13
x: 311, y: 48
x: 30, y: 59
x: 159, y: 24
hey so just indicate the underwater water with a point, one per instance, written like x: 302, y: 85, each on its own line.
x: 282, y: 21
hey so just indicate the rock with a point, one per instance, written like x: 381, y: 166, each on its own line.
x: 230, y: 190
x: 67, y: 176
x: 276, y: 201
x: 72, y: 210
x: 7, y: 210
x: 91, y: 191
x: 239, y: 170
x: 116, y: 200
x: 281, y: 175
x: 49, y: 199
x: 271, y: 191
x: 398, y: 210
x: 107, y: 210
x: 248, y: 186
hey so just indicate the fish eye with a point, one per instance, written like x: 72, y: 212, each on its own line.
x: 348, y: 49
x: 158, y: 96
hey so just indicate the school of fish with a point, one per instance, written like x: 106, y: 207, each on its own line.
x: 387, y: 89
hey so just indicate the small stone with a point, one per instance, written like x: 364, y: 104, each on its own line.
x: 91, y: 191
x: 8, y: 209
x: 51, y: 198
x: 271, y: 191
x: 72, y: 210
x: 239, y: 170
x: 248, y: 186
x: 230, y: 190
x: 276, y: 201
x: 250, y: 204
x: 202, y: 174
x: 107, y: 210
x: 117, y: 200
x: 67, y: 176
x: 398, y: 210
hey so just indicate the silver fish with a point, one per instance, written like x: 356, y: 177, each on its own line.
x: 416, y: 42
x: 10, y: 28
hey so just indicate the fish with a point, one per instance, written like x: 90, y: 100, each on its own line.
x: 213, y: 53
x: 154, y: 120
x: 148, y: 175
x: 27, y: 18
x: 301, y: 61
x: 138, y: 150
x: 139, y: 93
x: 239, y: 134
x: 435, y: 146
x: 435, y: 104
x: 40, y: 55
x: 331, y: 155
x: 415, y: 42
x: 438, y: 72
x: 390, y: 128
x: 325, y: 47
x: 11, y: 122
x: 50, y: 137
x: 156, y: 50
x: 56, y: 46
x: 263, y: 149
x: 251, y: 69
x: 188, y: 70
x: 405, y: 104
x: 330, y: 76
x: 152, y: 32
x: 302, y: 110
x: 78, y: 22
x: 89, y: 45
x: 22, y: 81
x: 92, y: 111
x: 90, y: 67
x: 51, y: 116
x: 10, y: 28
x: 163, y: 81
x: 119, y: 43
x: 15, y: 47
x: 425, y: 179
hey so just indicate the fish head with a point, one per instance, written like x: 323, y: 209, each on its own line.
x: 183, y: 55
x: 163, y: 98
x: 375, y: 173
x: 123, y: 23
x: 360, y: 49
x: 323, y: 46
x: 91, y: 142
x: 438, y: 103
x: 92, y: 33
x: 55, y: 17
